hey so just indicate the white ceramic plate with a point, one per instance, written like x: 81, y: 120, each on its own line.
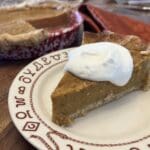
x: 120, y: 125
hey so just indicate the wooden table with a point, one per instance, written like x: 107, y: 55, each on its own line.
x: 10, y: 139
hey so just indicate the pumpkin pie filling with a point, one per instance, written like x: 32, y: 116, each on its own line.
x: 74, y: 97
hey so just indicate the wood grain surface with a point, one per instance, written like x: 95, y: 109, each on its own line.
x: 10, y: 139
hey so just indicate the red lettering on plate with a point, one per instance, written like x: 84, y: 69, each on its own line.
x: 21, y: 90
x: 25, y: 79
x: 38, y: 66
x: 31, y: 126
x: 65, y: 54
x: 48, y: 147
x: 45, y: 60
x: 19, y: 101
x: 29, y: 115
x: 134, y: 148
x: 71, y: 147
x: 56, y: 57
x: 23, y: 115
x: 29, y: 72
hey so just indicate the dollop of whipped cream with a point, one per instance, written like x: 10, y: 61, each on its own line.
x: 103, y: 61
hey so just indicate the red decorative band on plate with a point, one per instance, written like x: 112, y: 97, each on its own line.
x: 66, y: 137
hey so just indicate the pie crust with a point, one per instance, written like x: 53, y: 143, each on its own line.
x: 74, y: 97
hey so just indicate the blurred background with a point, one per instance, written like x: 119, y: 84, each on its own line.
x: 138, y: 9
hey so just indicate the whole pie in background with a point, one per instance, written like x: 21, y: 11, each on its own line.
x: 31, y: 31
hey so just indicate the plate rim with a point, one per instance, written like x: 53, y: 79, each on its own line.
x: 61, y: 134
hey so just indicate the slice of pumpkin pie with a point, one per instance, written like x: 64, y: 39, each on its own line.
x: 100, y: 75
